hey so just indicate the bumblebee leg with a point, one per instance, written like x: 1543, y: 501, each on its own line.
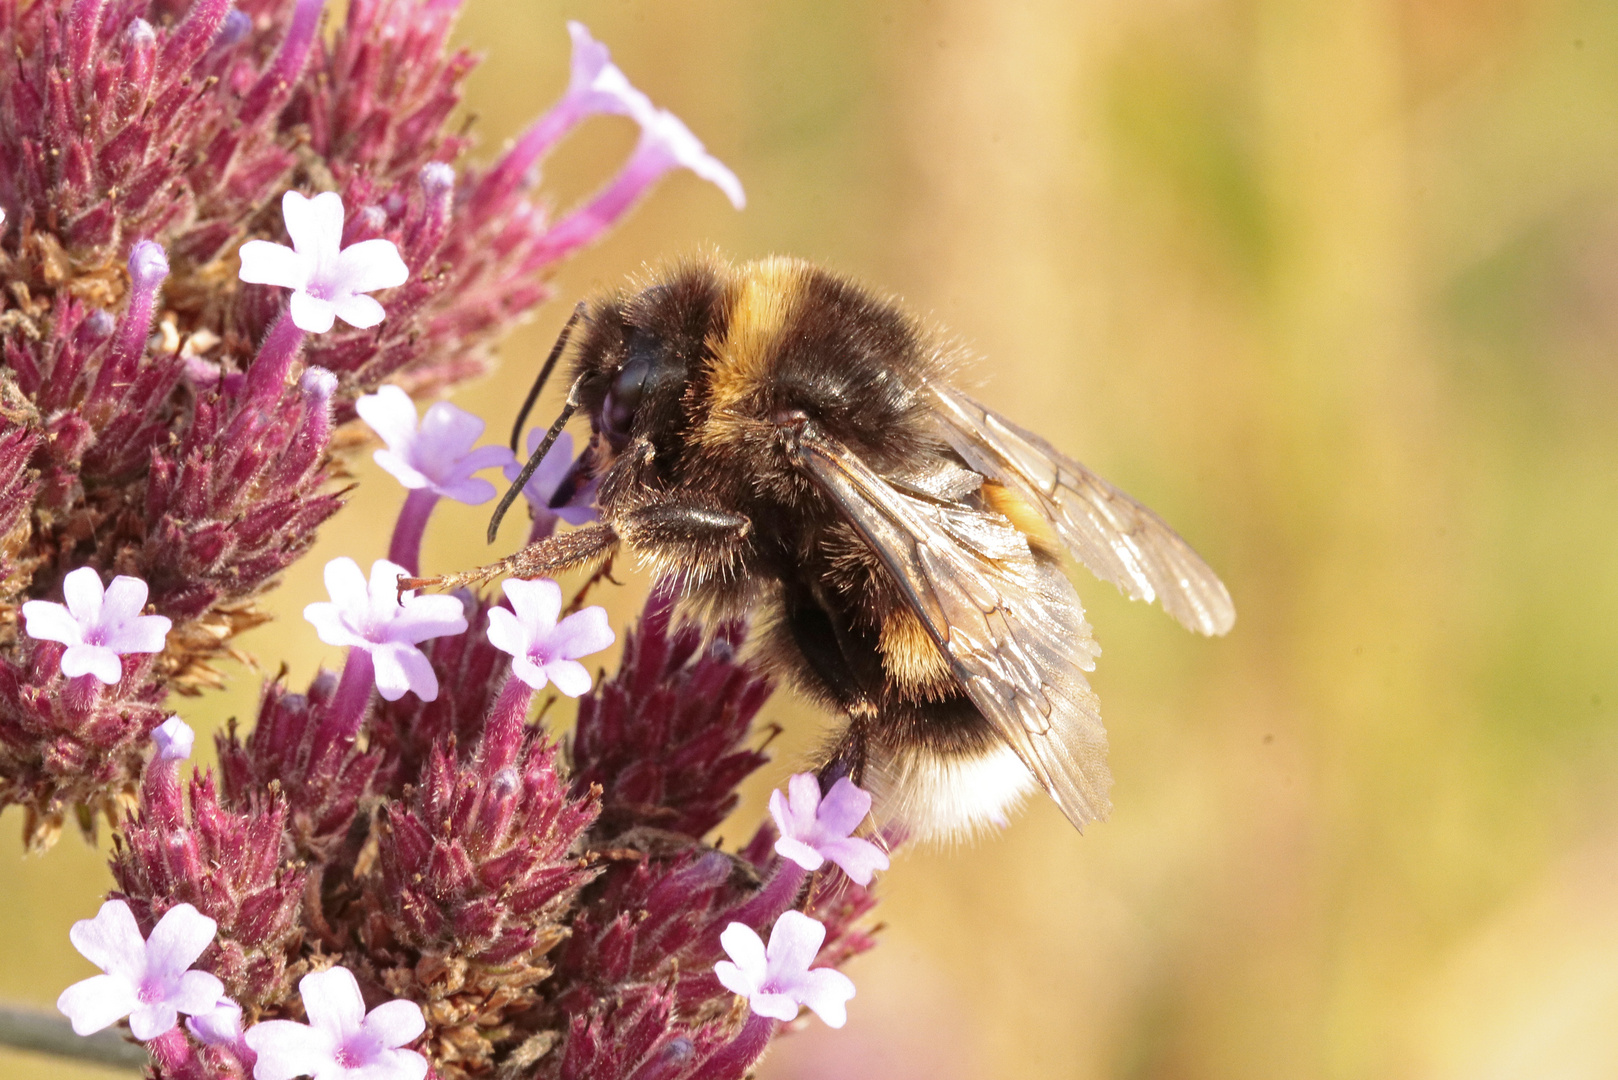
x: 702, y: 528
x: 548, y: 556
x: 853, y: 752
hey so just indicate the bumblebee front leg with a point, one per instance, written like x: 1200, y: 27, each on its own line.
x: 543, y: 558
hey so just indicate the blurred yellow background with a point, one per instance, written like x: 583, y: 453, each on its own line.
x: 1331, y: 284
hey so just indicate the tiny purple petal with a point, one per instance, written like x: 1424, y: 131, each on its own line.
x: 45, y: 621
x: 286, y: 1049
x: 174, y: 739
x: 180, y: 936
x: 148, y: 265
x: 332, y: 1000
x: 395, y: 1023
x: 111, y: 941
x: 97, y: 1002
x: 219, y: 1026
x: 82, y: 589
x: 97, y: 660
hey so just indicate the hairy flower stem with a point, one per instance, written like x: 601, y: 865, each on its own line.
x: 346, y: 712
x: 405, y: 547
x: 268, y: 372
x: 507, y: 722
x: 780, y: 892
x: 748, y: 1045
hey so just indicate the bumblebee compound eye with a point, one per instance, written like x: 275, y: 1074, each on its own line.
x: 625, y: 396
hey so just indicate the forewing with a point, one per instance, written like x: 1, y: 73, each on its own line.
x: 1011, y: 626
x: 1117, y: 538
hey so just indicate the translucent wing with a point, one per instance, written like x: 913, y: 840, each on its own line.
x: 1117, y: 538
x: 1011, y: 626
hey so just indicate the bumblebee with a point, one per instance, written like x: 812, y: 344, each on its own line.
x: 782, y: 442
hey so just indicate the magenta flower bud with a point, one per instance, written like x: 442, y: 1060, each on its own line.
x: 237, y: 25
x: 148, y: 265
x: 437, y: 179
x: 173, y: 739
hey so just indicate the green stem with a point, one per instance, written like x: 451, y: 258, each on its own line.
x: 41, y: 1033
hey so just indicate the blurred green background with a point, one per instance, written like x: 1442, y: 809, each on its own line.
x: 1333, y: 285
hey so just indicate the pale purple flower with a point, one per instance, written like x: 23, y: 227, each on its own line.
x: 666, y: 143
x: 815, y: 829
x: 327, y: 280
x: 174, y: 739
x: 776, y: 981
x: 371, y: 617
x: 543, y: 649
x: 578, y: 510
x: 438, y: 455
x: 147, y: 979
x: 597, y: 85
x: 219, y: 1026
x: 341, y: 1041
x: 97, y: 625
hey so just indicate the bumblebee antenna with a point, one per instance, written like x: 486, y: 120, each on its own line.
x: 544, y: 376
x: 569, y: 407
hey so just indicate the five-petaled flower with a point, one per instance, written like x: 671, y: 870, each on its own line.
x: 147, y: 979
x: 341, y: 1039
x: 97, y: 625
x: 173, y: 739
x: 437, y: 456
x: 579, y: 509
x: 815, y: 829
x: 327, y: 280
x: 373, y: 617
x: 776, y: 981
x: 543, y: 649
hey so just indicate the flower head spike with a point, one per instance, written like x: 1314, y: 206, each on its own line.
x: 373, y: 617
x: 341, y: 1040
x: 147, y: 979
x: 541, y: 487
x: 815, y: 829
x: 543, y: 649
x: 438, y: 455
x: 775, y: 981
x: 98, y: 625
x: 328, y: 281
x: 174, y: 739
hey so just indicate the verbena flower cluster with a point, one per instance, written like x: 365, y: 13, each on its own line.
x: 233, y: 240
